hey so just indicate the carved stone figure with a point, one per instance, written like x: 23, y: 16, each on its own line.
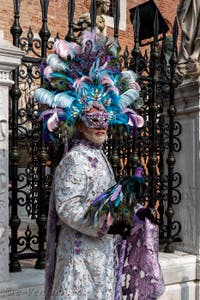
x: 84, y: 22
x: 189, y: 18
x: 167, y: 49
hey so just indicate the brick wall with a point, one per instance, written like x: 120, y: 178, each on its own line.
x: 30, y: 15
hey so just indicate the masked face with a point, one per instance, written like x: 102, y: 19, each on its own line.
x: 93, y: 126
x: 95, y: 119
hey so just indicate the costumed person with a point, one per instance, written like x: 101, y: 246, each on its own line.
x: 96, y: 229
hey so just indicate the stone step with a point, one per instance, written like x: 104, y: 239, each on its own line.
x: 179, y: 272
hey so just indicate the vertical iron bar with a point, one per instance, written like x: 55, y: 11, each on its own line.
x: 71, y: 8
x: 161, y: 173
x: 44, y: 32
x: 134, y: 65
x: 116, y: 16
x: 42, y: 156
x: 171, y: 159
x: 15, y: 94
x: 116, y: 19
x: 114, y: 159
x: 93, y: 14
x: 153, y: 117
x: 136, y: 50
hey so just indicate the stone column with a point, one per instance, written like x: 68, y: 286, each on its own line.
x: 188, y: 164
x: 10, y: 58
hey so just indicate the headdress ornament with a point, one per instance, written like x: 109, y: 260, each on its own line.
x: 82, y: 75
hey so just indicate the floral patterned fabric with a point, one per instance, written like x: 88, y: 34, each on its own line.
x: 82, y: 260
x: 85, y: 254
x: 142, y: 274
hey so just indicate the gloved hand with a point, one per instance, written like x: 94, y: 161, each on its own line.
x: 120, y: 228
x: 146, y: 212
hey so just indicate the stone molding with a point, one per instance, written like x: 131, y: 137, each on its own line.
x: 10, y: 58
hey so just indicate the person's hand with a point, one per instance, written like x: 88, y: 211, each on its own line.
x: 146, y: 212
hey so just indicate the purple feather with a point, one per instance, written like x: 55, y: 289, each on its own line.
x: 116, y: 193
x: 134, y: 123
x: 138, y: 172
x: 50, y: 112
x: 101, y: 197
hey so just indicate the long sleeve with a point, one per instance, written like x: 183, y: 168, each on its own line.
x: 72, y: 187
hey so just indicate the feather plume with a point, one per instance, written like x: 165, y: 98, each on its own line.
x: 86, y: 74
x: 88, y: 36
x: 106, y: 80
x: 134, y: 118
x: 65, y: 49
x: 50, y: 111
x: 63, y: 100
x: 56, y: 63
x: 48, y: 71
x: 53, y: 122
x: 96, y: 70
x: 114, y: 89
x: 138, y: 103
x: 60, y: 81
x: 128, y: 98
x: 113, y: 47
x: 130, y: 78
x: 81, y: 84
x: 43, y: 96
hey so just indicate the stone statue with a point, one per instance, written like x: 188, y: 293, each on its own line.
x: 167, y: 49
x: 84, y: 22
x: 188, y: 13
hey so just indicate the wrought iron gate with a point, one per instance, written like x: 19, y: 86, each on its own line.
x: 154, y: 147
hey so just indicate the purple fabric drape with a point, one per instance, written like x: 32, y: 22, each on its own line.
x: 142, y: 273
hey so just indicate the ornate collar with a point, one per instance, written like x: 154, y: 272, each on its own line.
x: 86, y: 143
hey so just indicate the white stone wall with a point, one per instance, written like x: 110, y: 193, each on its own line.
x: 3, y: 183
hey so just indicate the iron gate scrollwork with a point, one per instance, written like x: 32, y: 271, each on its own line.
x: 154, y: 148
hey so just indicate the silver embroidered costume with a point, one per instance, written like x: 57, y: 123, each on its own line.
x: 85, y: 254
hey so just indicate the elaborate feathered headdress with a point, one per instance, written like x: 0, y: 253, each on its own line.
x: 78, y: 75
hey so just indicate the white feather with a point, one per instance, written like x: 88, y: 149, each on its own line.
x: 43, y: 96
x: 128, y: 98
x: 130, y: 78
x: 62, y: 100
x: 129, y: 75
x: 56, y: 63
